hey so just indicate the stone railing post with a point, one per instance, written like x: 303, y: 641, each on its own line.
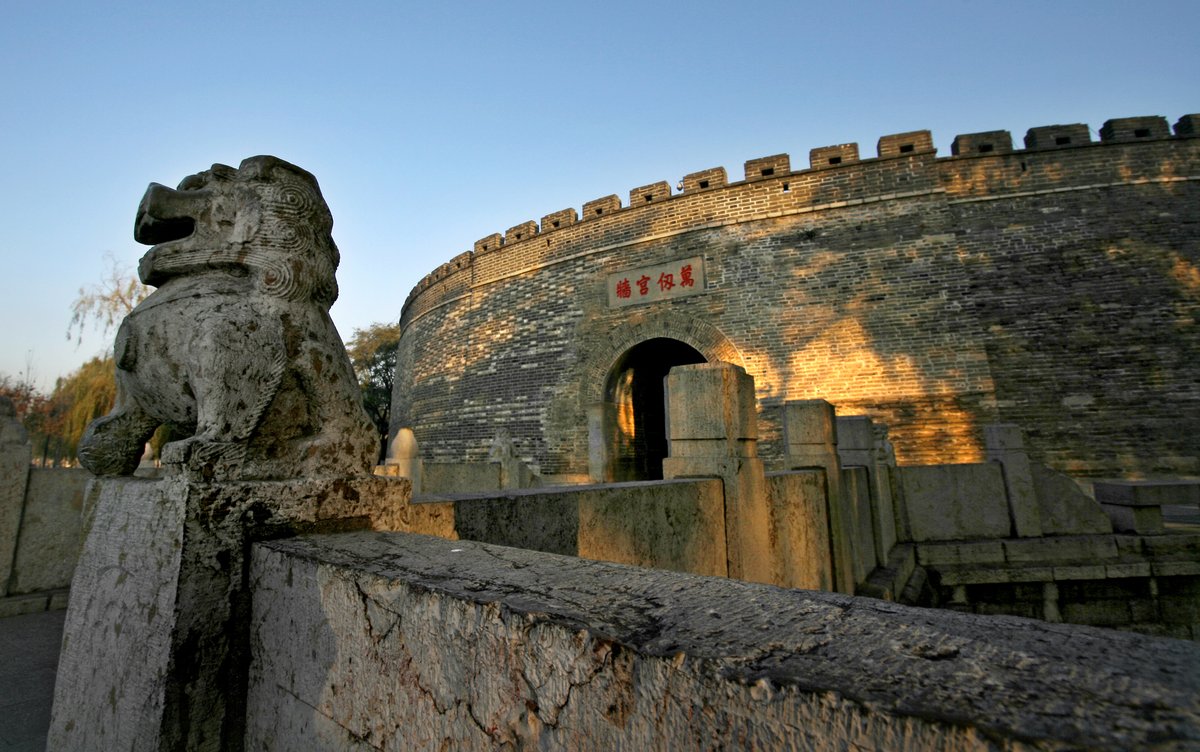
x: 882, y: 499
x: 857, y: 451
x: 856, y: 441
x: 1006, y: 444
x: 713, y: 431
x: 811, y: 441
x: 403, y: 459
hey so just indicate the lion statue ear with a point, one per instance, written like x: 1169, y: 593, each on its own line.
x: 262, y: 167
x: 321, y: 266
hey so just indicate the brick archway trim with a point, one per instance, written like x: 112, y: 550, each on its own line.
x: 710, y: 341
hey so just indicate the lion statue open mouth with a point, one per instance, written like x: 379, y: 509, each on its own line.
x: 236, y: 346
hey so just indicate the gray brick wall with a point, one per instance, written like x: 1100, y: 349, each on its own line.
x: 1054, y: 288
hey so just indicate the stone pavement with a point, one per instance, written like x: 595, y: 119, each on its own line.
x: 29, y: 647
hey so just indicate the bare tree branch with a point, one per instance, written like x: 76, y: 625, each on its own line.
x: 107, y: 302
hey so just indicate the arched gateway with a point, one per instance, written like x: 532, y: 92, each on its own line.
x: 635, y: 401
x: 623, y: 385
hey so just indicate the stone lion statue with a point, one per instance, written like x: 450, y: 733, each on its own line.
x: 236, y: 347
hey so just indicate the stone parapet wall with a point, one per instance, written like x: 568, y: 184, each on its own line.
x: 1049, y: 287
x: 676, y: 525
x: 40, y: 535
x: 1147, y: 584
x: 393, y: 641
x: 51, y: 530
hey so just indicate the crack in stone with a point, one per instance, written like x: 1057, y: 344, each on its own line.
x: 596, y: 669
x: 367, y: 602
x: 496, y: 555
x: 360, y: 738
x: 490, y: 732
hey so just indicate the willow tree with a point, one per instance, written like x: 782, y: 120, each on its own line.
x: 79, y: 398
x: 105, y: 303
x: 89, y: 392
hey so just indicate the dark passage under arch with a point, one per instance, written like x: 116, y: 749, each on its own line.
x: 637, y: 417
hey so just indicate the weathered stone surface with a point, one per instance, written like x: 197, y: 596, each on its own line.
x: 674, y: 524
x: 1005, y: 444
x: 722, y: 441
x: 459, y: 477
x: 892, y: 578
x: 1061, y: 549
x: 112, y: 684
x: 955, y: 502
x: 1146, y: 493
x: 809, y: 426
x: 856, y: 440
x: 51, y: 530
x: 728, y: 426
x: 973, y: 575
x: 883, y: 504
x: 1132, y: 569
x: 154, y: 647
x: 1175, y: 547
x: 1064, y: 508
x: 800, y: 530
x: 856, y: 500
x: 386, y: 641
x: 1175, y: 569
x: 811, y: 441
x: 405, y: 457
x: 236, y: 346
x: 1081, y: 572
x: 972, y: 552
x: 682, y: 531
x: 1143, y: 520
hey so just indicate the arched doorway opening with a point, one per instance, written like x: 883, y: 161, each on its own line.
x: 635, y: 398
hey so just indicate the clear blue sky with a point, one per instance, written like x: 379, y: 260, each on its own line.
x: 430, y: 125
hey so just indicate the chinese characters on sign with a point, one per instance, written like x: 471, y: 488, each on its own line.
x: 663, y: 282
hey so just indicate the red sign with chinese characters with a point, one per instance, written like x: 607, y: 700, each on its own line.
x: 662, y: 282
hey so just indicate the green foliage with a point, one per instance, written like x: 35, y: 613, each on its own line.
x: 56, y: 422
x: 373, y: 353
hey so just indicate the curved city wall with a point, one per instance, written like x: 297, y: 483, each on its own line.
x: 1056, y: 287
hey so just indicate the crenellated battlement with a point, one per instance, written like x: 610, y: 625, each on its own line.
x: 832, y: 156
x: 988, y: 142
x: 836, y: 177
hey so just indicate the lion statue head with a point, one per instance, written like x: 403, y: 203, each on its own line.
x: 235, y: 349
x: 267, y: 218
